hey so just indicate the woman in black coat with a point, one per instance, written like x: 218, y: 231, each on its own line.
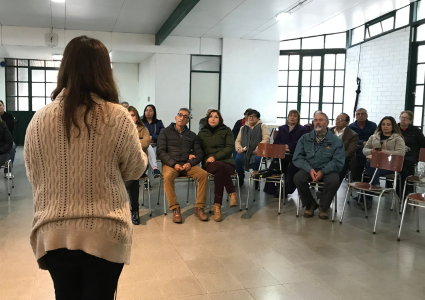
x: 6, y: 142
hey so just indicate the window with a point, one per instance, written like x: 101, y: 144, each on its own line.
x: 417, y: 84
x: 310, y: 81
x: 29, y: 83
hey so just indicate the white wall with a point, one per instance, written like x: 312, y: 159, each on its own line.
x: 383, y: 71
x: 249, y: 79
x: 127, y: 79
x: 147, y: 70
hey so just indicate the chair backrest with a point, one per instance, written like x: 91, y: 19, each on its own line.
x: 271, y: 150
x: 275, y: 133
x: 381, y: 160
x: 422, y: 155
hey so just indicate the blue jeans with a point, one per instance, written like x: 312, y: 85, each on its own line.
x: 239, y: 165
x: 378, y: 174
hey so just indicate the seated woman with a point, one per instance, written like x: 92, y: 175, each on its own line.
x: 288, y: 135
x: 154, y: 126
x: 217, y: 143
x: 414, y: 140
x: 388, y: 139
x: 144, y: 141
x: 6, y: 142
x: 246, y: 144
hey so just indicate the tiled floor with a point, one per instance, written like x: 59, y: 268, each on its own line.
x: 252, y: 254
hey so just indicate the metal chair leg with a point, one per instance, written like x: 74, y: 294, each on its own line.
x: 188, y: 186
x: 402, y: 218
x: 8, y: 181
x: 209, y: 192
x: 159, y: 189
x: 417, y: 219
x: 165, y: 206
x: 365, y: 206
x: 334, y: 209
x: 247, y: 198
x: 239, y: 192
x: 298, y: 206
x: 149, y: 199
x: 280, y: 194
x: 404, y: 194
x: 377, y: 212
x: 345, y: 202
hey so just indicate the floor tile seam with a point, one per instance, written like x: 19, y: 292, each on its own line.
x: 252, y: 295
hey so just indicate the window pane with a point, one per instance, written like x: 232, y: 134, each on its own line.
x: 419, y: 95
x: 305, y: 94
x: 421, y: 54
x: 375, y: 29
x: 53, y: 64
x: 339, y: 94
x: 11, y: 74
x: 281, y: 109
x: 328, y: 94
x: 283, y: 78
x: 23, y: 62
x: 306, y: 78
x: 282, y: 94
x: 52, y: 75
x: 293, y: 78
x: 330, y: 61
x: 314, y: 94
x: 23, y: 74
x: 307, y: 63
x: 339, y: 78
x: 37, y: 63
x: 388, y: 24
x: 199, y: 63
x: 337, y: 110
x: 23, y: 89
x: 283, y: 62
x: 294, y: 62
x: 304, y: 110
x: 328, y: 78
x: 417, y: 118
x: 340, y: 61
x: 38, y: 103
x: 327, y: 109
x: 10, y: 62
x: 420, y: 35
x: 402, y: 17
x: 50, y: 87
x: 292, y: 106
x: 313, y: 43
x: 37, y: 75
x: 317, y: 62
x: 313, y: 108
x: 11, y: 89
x: 12, y: 103
x: 358, y: 35
x: 38, y: 89
x: 420, y: 74
x: 336, y: 40
x: 315, y: 78
x: 290, y: 45
x: 293, y: 94
x: 23, y: 104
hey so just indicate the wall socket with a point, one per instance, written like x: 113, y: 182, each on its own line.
x: 149, y: 99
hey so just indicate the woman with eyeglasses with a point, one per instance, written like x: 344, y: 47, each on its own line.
x: 388, y: 139
x: 414, y: 140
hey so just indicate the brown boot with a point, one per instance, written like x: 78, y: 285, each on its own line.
x: 233, y: 200
x: 177, y: 217
x: 323, y: 214
x: 199, y: 212
x: 217, y: 212
x: 309, y: 210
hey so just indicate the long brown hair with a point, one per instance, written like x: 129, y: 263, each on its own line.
x: 85, y: 69
x: 138, y: 120
x: 220, y: 118
x: 395, y: 128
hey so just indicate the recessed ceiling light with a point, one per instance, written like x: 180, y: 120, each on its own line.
x: 60, y: 1
x: 57, y: 56
x: 282, y: 16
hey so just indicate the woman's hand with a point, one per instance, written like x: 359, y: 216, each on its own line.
x: 211, y: 159
x: 191, y: 156
x: 369, y: 157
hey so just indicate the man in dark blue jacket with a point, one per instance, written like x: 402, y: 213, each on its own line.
x: 364, y: 129
x: 321, y: 156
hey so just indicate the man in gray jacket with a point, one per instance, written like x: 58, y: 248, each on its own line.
x: 321, y: 156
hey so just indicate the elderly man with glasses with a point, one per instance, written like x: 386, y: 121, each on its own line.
x: 348, y: 137
x: 180, y: 153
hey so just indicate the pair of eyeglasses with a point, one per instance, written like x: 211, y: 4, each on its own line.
x: 339, y: 119
x: 404, y: 118
x: 186, y: 117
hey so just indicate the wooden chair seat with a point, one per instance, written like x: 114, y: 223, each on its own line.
x: 364, y: 186
x: 417, y: 197
x: 414, y: 178
x: 144, y: 176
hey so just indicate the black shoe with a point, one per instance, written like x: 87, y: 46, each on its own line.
x: 135, y: 217
x: 256, y: 185
x: 146, y: 186
x: 309, y: 210
x: 156, y: 173
x: 241, y: 182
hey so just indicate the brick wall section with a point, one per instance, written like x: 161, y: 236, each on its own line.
x: 383, y: 71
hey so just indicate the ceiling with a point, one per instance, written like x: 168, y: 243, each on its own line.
x: 241, y: 19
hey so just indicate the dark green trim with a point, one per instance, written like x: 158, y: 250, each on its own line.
x: 383, y: 17
x: 379, y: 35
x: 411, y: 73
x: 181, y: 11
x: 313, y: 51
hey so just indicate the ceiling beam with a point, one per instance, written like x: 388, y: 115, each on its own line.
x: 181, y: 11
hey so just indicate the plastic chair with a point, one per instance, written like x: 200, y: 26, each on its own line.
x: 235, y: 179
x: 380, y: 160
x: 269, y: 151
x: 416, y: 200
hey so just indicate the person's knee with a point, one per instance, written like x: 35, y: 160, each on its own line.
x: 299, y: 177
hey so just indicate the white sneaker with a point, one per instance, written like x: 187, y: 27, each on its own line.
x: 9, y: 175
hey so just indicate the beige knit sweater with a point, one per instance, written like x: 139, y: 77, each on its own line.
x: 80, y: 200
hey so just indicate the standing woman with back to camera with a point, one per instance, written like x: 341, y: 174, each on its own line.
x: 78, y: 151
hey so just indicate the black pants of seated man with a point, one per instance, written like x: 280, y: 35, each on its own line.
x: 330, y: 187
x: 343, y: 173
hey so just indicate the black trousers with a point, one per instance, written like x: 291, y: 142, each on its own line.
x: 80, y: 276
x: 330, y: 187
x: 357, y: 165
x: 344, y: 171
x: 134, y: 195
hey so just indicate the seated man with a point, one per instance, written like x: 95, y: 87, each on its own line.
x: 349, y: 138
x: 320, y: 156
x: 175, y: 147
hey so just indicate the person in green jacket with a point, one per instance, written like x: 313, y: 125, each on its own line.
x: 217, y: 143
